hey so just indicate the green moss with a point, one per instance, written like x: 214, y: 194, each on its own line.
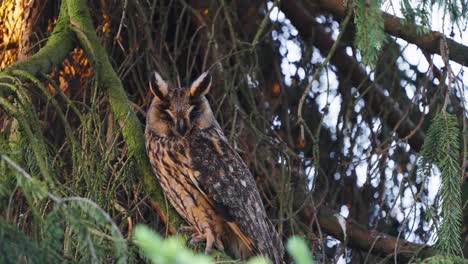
x: 52, y: 54
x: 108, y: 80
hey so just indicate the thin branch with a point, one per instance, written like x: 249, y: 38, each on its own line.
x: 373, y: 94
x: 359, y: 237
x: 397, y: 27
x: 317, y: 72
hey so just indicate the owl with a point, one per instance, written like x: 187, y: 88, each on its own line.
x: 203, y: 177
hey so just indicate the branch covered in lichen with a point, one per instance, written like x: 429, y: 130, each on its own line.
x: 74, y: 20
x: 58, y: 45
x: 132, y: 132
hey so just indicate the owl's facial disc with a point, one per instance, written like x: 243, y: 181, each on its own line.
x: 175, y: 112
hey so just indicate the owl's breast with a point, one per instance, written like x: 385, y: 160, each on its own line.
x: 172, y: 164
x: 170, y: 160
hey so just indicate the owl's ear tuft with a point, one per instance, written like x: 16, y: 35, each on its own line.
x: 161, y: 88
x: 201, y: 86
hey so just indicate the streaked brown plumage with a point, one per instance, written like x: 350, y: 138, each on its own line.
x: 203, y: 177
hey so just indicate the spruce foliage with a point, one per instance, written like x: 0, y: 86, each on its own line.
x: 442, y: 148
x: 420, y: 12
x: 369, y: 24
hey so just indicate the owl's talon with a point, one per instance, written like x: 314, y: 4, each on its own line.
x: 206, y: 237
x: 209, y: 242
x: 219, y: 245
x: 187, y: 230
x: 196, y: 238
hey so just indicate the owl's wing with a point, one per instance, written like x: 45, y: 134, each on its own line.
x: 226, y: 180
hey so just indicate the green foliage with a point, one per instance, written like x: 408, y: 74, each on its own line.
x: 162, y: 251
x: 71, y: 225
x: 420, y: 12
x: 298, y: 249
x: 369, y: 23
x: 442, y: 148
x: 173, y: 249
x: 16, y: 245
x: 9, y: 145
x: 22, y: 109
x: 444, y: 260
x: 457, y: 9
x: 53, y: 234
x: 369, y: 29
x: 49, y: 212
x: 33, y: 187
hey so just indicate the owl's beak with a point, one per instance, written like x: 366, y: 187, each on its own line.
x: 181, y: 127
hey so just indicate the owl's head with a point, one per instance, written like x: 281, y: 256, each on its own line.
x: 177, y: 111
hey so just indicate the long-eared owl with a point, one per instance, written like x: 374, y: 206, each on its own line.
x: 203, y: 177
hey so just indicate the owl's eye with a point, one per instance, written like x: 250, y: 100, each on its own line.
x: 194, y: 112
x: 166, y: 115
x: 196, y: 100
x: 163, y: 105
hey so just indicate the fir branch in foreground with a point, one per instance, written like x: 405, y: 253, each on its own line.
x: 442, y: 148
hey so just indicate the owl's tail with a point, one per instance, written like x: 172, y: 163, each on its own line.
x: 275, y: 249
x: 243, y: 247
x: 238, y: 244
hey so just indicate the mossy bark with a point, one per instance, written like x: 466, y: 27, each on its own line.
x: 81, y: 23
x: 75, y: 23
x: 74, y: 26
x: 58, y: 45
